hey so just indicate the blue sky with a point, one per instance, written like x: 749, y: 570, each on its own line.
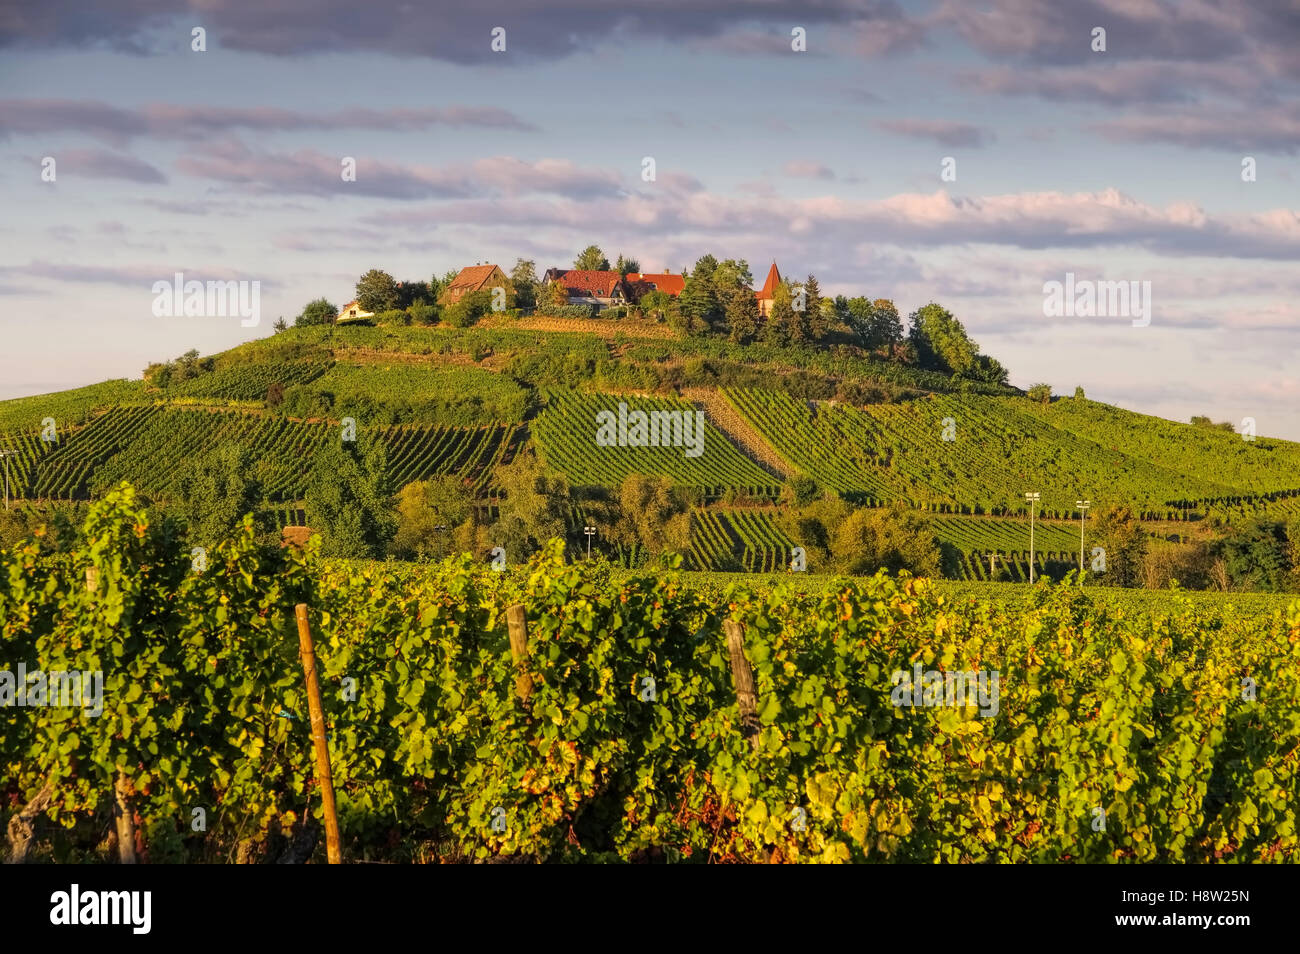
x: 1122, y: 165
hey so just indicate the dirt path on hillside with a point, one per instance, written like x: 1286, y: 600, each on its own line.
x: 724, y: 417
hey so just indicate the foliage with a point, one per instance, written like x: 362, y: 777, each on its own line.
x: 318, y: 311
x: 630, y: 744
x: 347, y: 499
x: 216, y: 490
x: 377, y: 292
x: 591, y: 259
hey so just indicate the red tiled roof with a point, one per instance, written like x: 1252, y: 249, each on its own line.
x: 666, y: 282
x: 769, y: 286
x: 591, y: 283
x: 472, y: 277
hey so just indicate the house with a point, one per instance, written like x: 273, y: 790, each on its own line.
x: 642, y: 283
x: 473, y: 278
x: 764, y: 294
x: 590, y: 287
x: 353, y: 312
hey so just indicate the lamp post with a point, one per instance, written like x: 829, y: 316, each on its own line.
x: 589, y: 530
x: 1083, y: 506
x: 1033, y: 500
x: 6, y: 454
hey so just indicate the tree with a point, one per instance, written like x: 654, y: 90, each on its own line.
x: 555, y: 294
x: 729, y: 275
x: 891, y: 539
x: 699, y: 305
x: 280, y: 325
x: 1042, y: 393
x: 1120, y: 535
x: 743, y: 319
x: 524, y: 277
x: 814, y: 320
x: 990, y: 369
x: 318, y: 311
x: 469, y: 309
x: 377, y: 291
x: 941, y: 342
x: 215, y: 491
x: 704, y: 268
x: 782, y: 327
x: 347, y: 499
x: 659, y: 303
x: 438, y: 284
x: 534, y: 507
x: 1258, y: 556
x: 435, y: 518
x: 625, y: 265
x: 591, y: 259
x: 886, y: 324
x: 1078, y: 393
x: 654, y: 513
x: 858, y: 314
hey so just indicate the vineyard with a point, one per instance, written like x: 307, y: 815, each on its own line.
x: 405, y: 393
x: 566, y: 436
x: 970, y: 454
x: 251, y: 382
x: 738, y: 539
x: 1113, y: 733
x: 150, y: 445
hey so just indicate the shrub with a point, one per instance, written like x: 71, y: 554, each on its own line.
x: 567, y: 311
x: 394, y: 316
x: 422, y: 313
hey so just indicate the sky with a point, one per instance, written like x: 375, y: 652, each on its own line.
x: 815, y: 134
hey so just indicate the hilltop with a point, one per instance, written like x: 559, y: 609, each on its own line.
x: 780, y: 425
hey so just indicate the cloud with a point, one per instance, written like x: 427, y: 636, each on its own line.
x: 307, y: 172
x: 1275, y: 130
x: 117, y: 125
x: 131, y: 276
x: 1028, y: 220
x: 807, y: 169
x: 457, y: 33
x: 99, y: 164
x: 944, y: 132
x: 1119, y: 82
x: 1050, y: 32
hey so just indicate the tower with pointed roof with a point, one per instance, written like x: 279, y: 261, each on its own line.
x: 764, y: 294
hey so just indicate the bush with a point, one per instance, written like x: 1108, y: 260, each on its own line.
x: 614, y: 311
x: 567, y: 311
x: 422, y: 313
x: 394, y: 316
x: 1042, y: 393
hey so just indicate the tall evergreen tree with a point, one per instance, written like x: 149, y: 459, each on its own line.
x: 591, y: 259
x: 815, y: 320
x: 743, y: 319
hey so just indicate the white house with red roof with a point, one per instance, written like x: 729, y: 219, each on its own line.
x: 590, y: 287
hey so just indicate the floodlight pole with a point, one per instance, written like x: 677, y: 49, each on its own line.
x: 1033, y: 499
x: 589, y: 531
x: 1083, y: 506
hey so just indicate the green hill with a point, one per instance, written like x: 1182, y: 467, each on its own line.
x: 462, y: 402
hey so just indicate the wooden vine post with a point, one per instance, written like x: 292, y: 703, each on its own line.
x: 517, y: 623
x: 742, y: 677
x: 323, y: 775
